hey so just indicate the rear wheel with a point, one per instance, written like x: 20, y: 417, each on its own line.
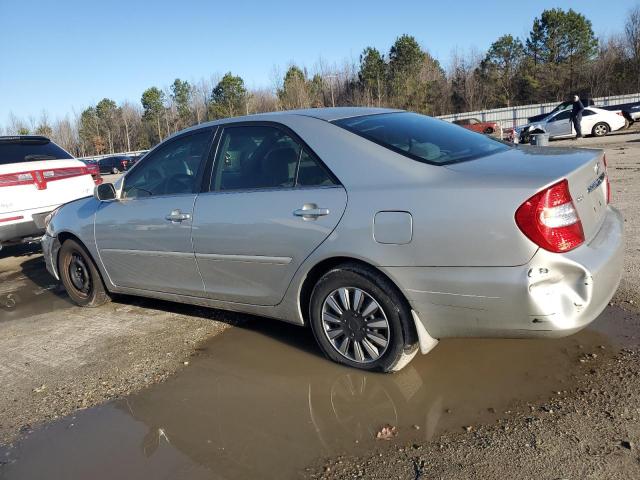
x: 488, y: 130
x: 600, y: 129
x: 359, y: 319
x: 80, y: 276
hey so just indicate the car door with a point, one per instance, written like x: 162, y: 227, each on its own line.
x: 560, y: 124
x: 144, y: 237
x: 271, y: 203
x: 589, y: 119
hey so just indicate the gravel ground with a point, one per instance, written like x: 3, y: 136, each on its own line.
x: 589, y: 432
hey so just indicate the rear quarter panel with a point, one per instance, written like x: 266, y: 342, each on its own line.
x: 459, y: 219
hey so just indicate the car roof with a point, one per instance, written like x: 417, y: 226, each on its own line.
x: 325, y: 113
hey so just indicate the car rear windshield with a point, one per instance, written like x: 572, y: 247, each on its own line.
x: 27, y: 150
x: 422, y: 138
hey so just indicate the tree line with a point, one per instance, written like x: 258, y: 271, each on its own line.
x: 560, y: 56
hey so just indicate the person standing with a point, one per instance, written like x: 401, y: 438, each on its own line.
x: 576, y: 115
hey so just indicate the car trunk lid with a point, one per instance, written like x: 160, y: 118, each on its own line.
x: 539, y: 167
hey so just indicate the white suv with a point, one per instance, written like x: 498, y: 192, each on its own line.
x: 36, y: 177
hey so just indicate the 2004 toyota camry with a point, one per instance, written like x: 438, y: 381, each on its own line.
x: 383, y: 230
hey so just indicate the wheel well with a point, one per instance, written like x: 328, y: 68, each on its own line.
x: 63, y: 237
x: 323, y: 267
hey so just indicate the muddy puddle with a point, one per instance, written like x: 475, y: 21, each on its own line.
x: 26, y: 288
x: 260, y: 402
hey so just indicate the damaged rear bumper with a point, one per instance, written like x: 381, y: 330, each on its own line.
x: 553, y: 295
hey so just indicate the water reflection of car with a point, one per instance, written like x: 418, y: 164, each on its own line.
x: 114, y: 164
x: 445, y: 233
x: 595, y: 121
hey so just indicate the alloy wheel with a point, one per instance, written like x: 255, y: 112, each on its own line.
x: 355, y: 325
x: 601, y: 130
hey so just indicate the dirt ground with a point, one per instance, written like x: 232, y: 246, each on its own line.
x: 591, y: 431
x: 56, y: 358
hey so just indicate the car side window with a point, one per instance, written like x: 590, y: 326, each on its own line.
x: 561, y: 116
x: 586, y: 113
x: 312, y: 173
x: 262, y: 157
x: 170, y: 170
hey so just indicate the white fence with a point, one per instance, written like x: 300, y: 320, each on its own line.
x: 512, y: 116
x: 119, y: 154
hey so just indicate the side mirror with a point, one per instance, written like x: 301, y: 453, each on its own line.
x: 105, y: 192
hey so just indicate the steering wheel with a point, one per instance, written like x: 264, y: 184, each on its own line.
x: 179, y: 183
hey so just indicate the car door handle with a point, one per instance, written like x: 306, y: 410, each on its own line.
x: 176, y: 216
x: 311, y: 211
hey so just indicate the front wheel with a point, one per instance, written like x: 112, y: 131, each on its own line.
x: 600, y: 129
x: 80, y: 276
x: 359, y: 319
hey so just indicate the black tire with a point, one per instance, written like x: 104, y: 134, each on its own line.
x: 600, y: 129
x: 488, y: 130
x: 80, y: 276
x: 402, y: 342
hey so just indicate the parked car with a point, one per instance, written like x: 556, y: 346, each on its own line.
x: 36, y: 177
x: 446, y: 233
x: 476, y: 125
x: 114, y: 164
x: 133, y: 160
x: 595, y: 121
x: 630, y: 111
x: 568, y: 105
x: 94, y: 170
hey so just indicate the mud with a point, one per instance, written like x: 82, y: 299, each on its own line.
x: 260, y: 402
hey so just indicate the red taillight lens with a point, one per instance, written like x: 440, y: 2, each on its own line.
x: 13, y: 179
x: 40, y: 178
x: 550, y: 219
x: 11, y: 219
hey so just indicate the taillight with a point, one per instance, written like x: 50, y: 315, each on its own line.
x: 13, y: 179
x: 550, y: 219
x: 40, y: 178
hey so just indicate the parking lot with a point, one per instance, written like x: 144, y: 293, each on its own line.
x: 166, y: 384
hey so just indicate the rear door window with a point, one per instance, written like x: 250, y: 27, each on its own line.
x: 422, y: 138
x: 265, y: 157
x: 16, y: 150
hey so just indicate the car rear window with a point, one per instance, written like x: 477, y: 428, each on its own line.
x: 29, y: 150
x: 422, y: 138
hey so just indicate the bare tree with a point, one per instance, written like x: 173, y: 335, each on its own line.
x: 632, y: 31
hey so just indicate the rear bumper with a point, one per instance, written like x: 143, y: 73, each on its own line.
x: 553, y: 295
x: 18, y: 230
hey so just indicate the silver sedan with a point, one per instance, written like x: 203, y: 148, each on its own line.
x: 382, y: 230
